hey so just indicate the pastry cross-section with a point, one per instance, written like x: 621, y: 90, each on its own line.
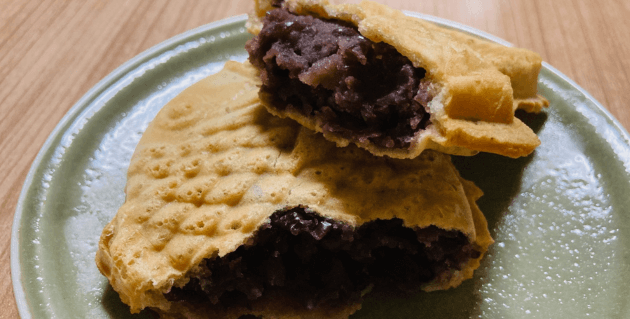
x: 390, y: 83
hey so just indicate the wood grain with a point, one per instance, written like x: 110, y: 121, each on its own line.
x: 53, y: 51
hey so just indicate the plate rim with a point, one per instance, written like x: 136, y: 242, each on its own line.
x: 20, y: 294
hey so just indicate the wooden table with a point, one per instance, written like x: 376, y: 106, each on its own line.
x: 53, y: 51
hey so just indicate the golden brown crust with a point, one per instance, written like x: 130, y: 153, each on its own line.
x: 533, y: 104
x: 510, y: 140
x: 521, y: 65
x: 214, y: 165
x: 473, y: 80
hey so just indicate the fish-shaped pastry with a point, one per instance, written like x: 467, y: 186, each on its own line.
x: 232, y: 211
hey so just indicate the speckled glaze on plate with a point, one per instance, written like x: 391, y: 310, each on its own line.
x: 560, y: 217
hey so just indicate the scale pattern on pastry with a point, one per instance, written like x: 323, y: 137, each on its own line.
x: 213, y: 167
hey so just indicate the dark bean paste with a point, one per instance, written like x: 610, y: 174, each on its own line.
x: 358, y: 89
x: 321, y: 262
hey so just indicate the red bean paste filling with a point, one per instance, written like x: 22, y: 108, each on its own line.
x: 358, y: 89
x: 321, y: 262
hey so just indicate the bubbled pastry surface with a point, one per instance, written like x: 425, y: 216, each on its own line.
x: 214, y: 165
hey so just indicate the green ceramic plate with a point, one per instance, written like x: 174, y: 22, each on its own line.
x: 560, y: 217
